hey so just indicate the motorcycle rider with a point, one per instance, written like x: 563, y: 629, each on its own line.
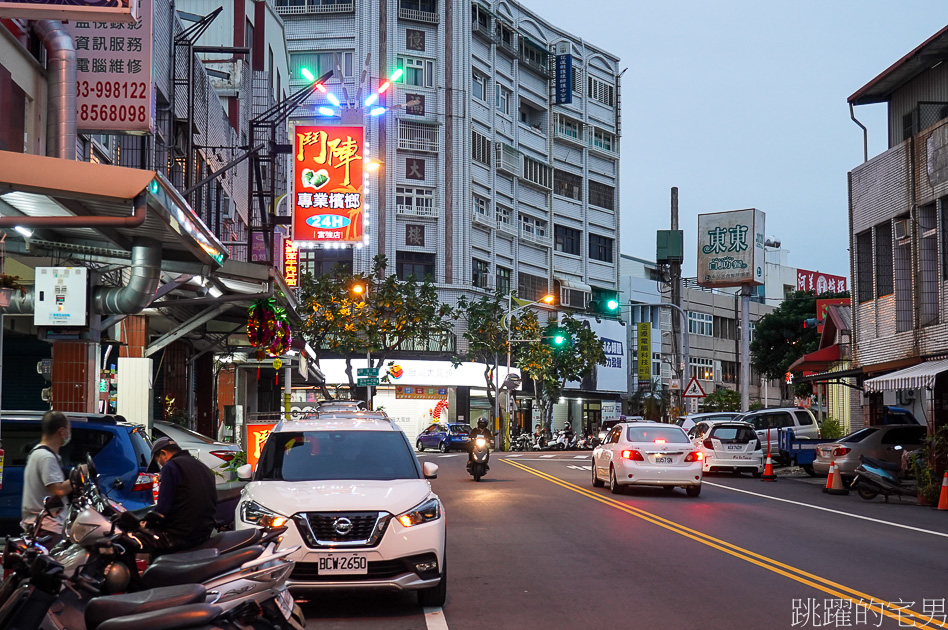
x: 480, y: 430
x: 184, y: 515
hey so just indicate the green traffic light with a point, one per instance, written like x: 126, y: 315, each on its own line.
x: 612, y: 305
x: 559, y: 340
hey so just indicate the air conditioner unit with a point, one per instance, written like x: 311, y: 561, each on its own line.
x: 902, y: 230
x: 228, y: 208
x: 906, y: 396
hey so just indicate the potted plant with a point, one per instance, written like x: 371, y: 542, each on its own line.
x: 9, y: 285
x: 929, y: 464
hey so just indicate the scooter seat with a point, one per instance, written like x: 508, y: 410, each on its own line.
x: 101, y: 609
x: 170, y: 573
x: 226, y: 542
x: 878, y: 463
x: 187, y: 556
x: 171, y: 619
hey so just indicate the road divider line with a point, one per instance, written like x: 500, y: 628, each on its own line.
x: 434, y: 618
x: 878, y: 605
x: 830, y: 510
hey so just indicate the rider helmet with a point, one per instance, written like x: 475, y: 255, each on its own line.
x: 482, y: 423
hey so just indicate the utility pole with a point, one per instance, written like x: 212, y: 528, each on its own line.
x: 745, y: 346
x: 675, y: 281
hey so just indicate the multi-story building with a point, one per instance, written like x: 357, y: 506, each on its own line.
x: 492, y: 177
x: 898, y: 218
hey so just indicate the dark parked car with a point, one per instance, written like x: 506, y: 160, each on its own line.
x: 444, y: 437
x: 119, y: 449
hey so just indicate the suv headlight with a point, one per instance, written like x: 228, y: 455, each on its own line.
x: 255, y: 514
x: 428, y: 511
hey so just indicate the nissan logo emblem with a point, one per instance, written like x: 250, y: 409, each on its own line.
x: 342, y: 526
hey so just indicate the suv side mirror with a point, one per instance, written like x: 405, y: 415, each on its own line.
x: 430, y: 470
x: 245, y: 472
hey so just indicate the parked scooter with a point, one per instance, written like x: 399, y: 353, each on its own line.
x: 521, y: 442
x: 875, y: 477
x: 480, y: 455
x: 559, y: 442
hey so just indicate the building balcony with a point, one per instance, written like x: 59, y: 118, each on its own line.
x: 483, y: 219
x: 417, y: 211
x: 532, y: 237
x: 301, y: 7
x: 484, y: 33
x: 416, y: 15
x: 418, y: 137
x: 542, y: 69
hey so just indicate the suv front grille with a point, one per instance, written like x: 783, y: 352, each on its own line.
x: 330, y: 529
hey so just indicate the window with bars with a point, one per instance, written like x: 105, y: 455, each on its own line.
x: 600, y: 248
x: 883, y: 261
x: 503, y: 214
x: 700, y: 324
x: 730, y: 371
x: 702, y: 369
x: 481, y: 206
x: 568, y: 128
x: 928, y: 265
x: 567, y: 185
x: 537, y: 172
x: 417, y: 265
x: 602, y: 195
x: 903, y: 279
x: 603, y: 140
x: 319, y: 63
x: 566, y: 239
x: 531, y: 287
x: 864, y: 265
x: 481, y: 273
x: 416, y: 201
x: 502, y: 279
x: 577, y: 79
x: 602, y: 91
x: 416, y: 71
x: 480, y: 148
x: 532, y: 227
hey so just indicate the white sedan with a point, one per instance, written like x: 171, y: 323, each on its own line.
x: 647, y: 454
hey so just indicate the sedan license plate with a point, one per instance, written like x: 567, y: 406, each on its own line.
x: 735, y: 447
x: 663, y: 460
x: 343, y: 564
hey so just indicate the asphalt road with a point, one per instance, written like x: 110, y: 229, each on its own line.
x: 534, y: 545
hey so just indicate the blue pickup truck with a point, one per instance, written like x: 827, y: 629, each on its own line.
x: 119, y: 449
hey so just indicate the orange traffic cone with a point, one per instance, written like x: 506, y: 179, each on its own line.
x: 837, y: 486
x: 943, y: 499
x: 769, y: 470
x: 829, y: 477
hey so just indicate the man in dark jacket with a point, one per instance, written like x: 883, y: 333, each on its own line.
x: 187, y: 499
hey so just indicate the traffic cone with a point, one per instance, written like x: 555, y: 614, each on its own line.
x: 943, y: 499
x: 769, y: 470
x: 829, y: 477
x: 837, y: 487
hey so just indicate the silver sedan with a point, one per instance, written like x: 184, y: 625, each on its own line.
x: 878, y: 442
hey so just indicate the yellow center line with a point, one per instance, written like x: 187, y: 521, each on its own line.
x: 907, y: 618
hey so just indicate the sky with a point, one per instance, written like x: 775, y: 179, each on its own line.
x: 742, y: 104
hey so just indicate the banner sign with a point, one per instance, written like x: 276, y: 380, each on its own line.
x: 257, y: 435
x: 731, y: 248
x: 106, y: 10
x: 822, y: 306
x: 429, y: 393
x: 645, y: 351
x: 327, y: 186
x: 819, y: 282
x: 114, y: 71
x: 291, y: 256
x: 564, y: 79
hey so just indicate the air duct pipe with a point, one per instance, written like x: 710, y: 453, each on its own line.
x: 127, y: 300
x: 62, y: 96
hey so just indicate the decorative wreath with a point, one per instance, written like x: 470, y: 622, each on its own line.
x: 268, y: 328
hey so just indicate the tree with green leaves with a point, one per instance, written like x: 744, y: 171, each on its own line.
x: 550, y: 367
x: 651, y: 401
x: 386, y: 316
x: 780, y: 337
x: 722, y: 399
x: 485, y: 335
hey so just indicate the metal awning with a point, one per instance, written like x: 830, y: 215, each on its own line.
x: 818, y: 361
x: 576, y: 285
x: 85, y: 207
x: 827, y: 377
x: 915, y: 377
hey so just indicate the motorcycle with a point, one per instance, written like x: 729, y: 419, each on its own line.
x: 559, y: 442
x: 875, y: 477
x: 480, y: 454
x: 521, y: 443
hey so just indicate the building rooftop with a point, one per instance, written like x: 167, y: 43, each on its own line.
x: 927, y: 55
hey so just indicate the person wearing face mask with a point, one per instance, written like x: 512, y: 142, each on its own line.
x: 44, y: 477
x: 184, y: 515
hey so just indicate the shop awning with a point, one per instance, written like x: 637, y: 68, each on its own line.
x: 915, y: 377
x: 818, y: 361
x: 827, y: 377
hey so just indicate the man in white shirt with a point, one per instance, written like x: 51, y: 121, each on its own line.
x: 43, y: 476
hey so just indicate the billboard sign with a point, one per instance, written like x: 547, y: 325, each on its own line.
x: 114, y: 73
x: 327, y: 189
x: 104, y: 10
x: 614, y: 374
x: 564, y: 77
x: 645, y: 351
x: 731, y: 248
x: 291, y: 257
x: 819, y: 282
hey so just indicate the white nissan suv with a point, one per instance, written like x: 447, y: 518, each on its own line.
x: 355, y: 499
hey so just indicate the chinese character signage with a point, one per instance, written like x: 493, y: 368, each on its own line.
x: 113, y: 68
x: 645, y: 351
x: 564, y: 79
x: 257, y: 435
x: 822, y: 306
x: 819, y: 282
x: 731, y: 248
x: 327, y: 184
x: 291, y: 270
x: 429, y: 393
x: 110, y: 10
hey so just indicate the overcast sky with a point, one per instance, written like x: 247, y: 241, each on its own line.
x: 742, y: 104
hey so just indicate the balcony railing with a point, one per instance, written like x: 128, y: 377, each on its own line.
x: 298, y: 7
x: 416, y: 211
x: 485, y: 32
x: 417, y: 137
x: 429, y: 17
x: 533, y: 237
x: 540, y: 68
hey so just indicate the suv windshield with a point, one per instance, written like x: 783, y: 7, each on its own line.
x: 328, y: 455
x: 670, y: 435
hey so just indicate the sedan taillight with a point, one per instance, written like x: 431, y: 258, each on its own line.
x: 708, y: 444
x: 145, y: 481
x: 757, y: 445
x: 839, y: 451
x: 694, y: 456
x: 225, y: 455
x: 633, y: 455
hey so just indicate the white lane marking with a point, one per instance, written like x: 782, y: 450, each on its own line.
x: 516, y: 455
x: 817, y: 507
x: 580, y: 467
x: 580, y: 456
x: 451, y: 455
x: 544, y: 456
x: 434, y: 618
